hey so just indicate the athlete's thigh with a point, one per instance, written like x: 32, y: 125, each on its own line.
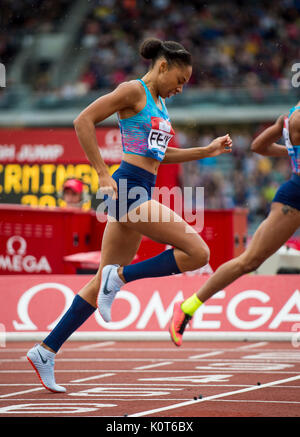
x: 119, y: 244
x: 274, y: 231
x: 163, y: 225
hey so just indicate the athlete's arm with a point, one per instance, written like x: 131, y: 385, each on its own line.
x: 124, y: 96
x: 216, y: 147
x: 265, y: 143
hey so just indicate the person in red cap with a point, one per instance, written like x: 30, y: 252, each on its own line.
x: 72, y: 193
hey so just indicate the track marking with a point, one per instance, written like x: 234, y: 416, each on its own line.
x: 209, y: 398
x: 159, y: 360
x: 260, y: 401
x: 53, y: 407
x: 21, y: 392
x: 153, y: 365
x: 154, y: 360
x: 125, y: 349
x: 207, y: 354
x: 253, y: 346
x: 158, y: 399
x: 290, y: 356
x: 151, y: 385
x: 119, y: 384
x: 245, y: 365
x: 132, y: 392
x: 198, y: 379
x: 196, y: 370
x: 104, y: 375
x: 94, y: 345
x: 286, y: 356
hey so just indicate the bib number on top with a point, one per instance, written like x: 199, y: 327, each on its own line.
x: 160, y: 134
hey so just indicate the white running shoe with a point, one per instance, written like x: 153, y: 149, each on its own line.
x: 110, y: 285
x: 42, y: 360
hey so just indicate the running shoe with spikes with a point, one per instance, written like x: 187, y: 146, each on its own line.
x: 42, y: 361
x: 178, y: 323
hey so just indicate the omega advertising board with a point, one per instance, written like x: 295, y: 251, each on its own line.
x: 253, y: 307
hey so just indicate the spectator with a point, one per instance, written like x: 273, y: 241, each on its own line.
x: 73, y: 193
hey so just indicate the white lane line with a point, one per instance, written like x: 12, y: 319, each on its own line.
x: 137, y: 349
x: 257, y: 401
x: 150, y: 366
x: 200, y: 371
x: 104, y: 375
x: 83, y: 398
x: 125, y: 384
x: 253, y: 346
x: 95, y: 345
x: 21, y: 392
x: 157, y: 360
x: 208, y: 354
x: 209, y: 398
x: 119, y: 384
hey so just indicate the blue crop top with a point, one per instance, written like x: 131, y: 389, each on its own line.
x: 293, y: 150
x: 149, y: 132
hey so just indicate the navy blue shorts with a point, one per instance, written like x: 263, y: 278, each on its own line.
x: 289, y: 192
x: 134, y: 188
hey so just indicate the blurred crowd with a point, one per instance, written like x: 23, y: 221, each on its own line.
x: 243, y: 44
x: 247, y: 44
x: 20, y: 18
x: 239, y: 179
x: 234, y: 45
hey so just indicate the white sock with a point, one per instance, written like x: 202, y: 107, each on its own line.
x: 115, y: 279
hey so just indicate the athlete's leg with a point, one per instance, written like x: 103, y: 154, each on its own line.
x: 119, y: 246
x: 189, y: 253
x: 273, y: 232
x: 113, y: 250
x: 84, y: 304
x: 161, y: 224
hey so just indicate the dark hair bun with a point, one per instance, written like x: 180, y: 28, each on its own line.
x: 150, y: 48
x: 174, y: 53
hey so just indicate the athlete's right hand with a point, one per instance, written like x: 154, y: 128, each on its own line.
x: 108, y: 186
x: 220, y: 145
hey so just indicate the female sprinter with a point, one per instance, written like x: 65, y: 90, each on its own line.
x: 146, y: 131
x: 281, y: 223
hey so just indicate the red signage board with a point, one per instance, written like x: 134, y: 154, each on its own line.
x: 55, y: 145
x: 256, y: 304
x: 34, y: 163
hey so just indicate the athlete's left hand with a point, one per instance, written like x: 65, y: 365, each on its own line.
x: 220, y: 145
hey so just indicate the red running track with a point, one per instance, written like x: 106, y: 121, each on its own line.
x: 156, y: 379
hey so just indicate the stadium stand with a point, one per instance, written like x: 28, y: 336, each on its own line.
x: 60, y: 55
